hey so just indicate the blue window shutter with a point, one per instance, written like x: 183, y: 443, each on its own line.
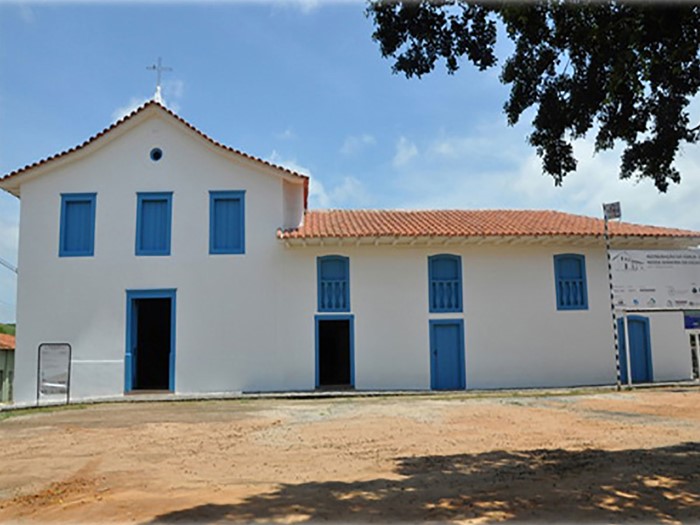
x: 570, y: 282
x: 333, y: 283
x: 445, y: 283
x: 226, y: 222
x: 77, y: 230
x: 153, y: 219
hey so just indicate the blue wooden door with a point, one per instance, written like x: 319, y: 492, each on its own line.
x: 640, y: 349
x: 130, y: 358
x: 447, y: 355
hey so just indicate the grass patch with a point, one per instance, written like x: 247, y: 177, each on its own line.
x: 7, y: 414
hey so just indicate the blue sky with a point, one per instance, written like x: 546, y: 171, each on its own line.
x: 300, y: 83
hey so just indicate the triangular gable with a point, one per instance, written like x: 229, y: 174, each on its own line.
x: 12, y: 180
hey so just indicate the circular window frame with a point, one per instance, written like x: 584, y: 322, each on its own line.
x: 156, y: 154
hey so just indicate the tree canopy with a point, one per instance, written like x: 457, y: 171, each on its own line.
x: 626, y: 70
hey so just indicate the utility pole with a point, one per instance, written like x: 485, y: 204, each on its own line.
x: 612, y: 211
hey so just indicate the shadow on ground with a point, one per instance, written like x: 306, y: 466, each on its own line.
x: 595, y: 486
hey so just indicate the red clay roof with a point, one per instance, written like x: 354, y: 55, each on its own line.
x: 7, y: 342
x: 183, y: 121
x: 463, y: 223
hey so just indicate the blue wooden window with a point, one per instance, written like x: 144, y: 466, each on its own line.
x: 333, y: 284
x: 77, y: 231
x: 153, y: 217
x: 445, y: 280
x: 570, y: 281
x: 226, y: 222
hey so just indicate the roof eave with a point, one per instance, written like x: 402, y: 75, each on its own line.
x: 626, y: 241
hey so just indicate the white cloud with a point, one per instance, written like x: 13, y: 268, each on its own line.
x: 356, y: 143
x: 482, y: 144
x: 307, y: 6
x: 350, y: 192
x: 174, y: 88
x: 499, y: 170
x: 405, y: 152
x: 26, y: 13
x: 453, y: 147
x: 287, y: 134
x: 304, y: 6
x: 596, y: 181
x: 127, y: 108
x: 173, y: 91
x: 276, y: 158
x: 318, y: 197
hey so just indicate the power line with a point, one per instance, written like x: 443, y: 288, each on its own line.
x: 7, y: 265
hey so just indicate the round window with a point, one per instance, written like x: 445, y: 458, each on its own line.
x: 156, y: 154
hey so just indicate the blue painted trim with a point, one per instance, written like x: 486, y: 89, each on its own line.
x: 77, y: 197
x: 462, y: 359
x: 319, y: 263
x: 582, y: 260
x: 339, y: 317
x: 647, y: 335
x: 130, y: 358
x: 229, y: 194
x: 435, y: 258
x: 146, y: 196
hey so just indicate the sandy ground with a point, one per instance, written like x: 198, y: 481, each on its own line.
x: 627, y: 457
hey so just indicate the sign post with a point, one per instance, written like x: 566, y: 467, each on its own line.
x: 612, y: 211
x: 53, y: 373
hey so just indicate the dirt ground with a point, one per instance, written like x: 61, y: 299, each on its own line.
x: 595, y: 458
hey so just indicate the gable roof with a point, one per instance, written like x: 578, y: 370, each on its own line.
x: 141, y: 109
x: 7, y: 342
x: 340, y: 224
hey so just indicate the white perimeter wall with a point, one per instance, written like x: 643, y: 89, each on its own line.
x: 670, y: 346
x: 246, y: 322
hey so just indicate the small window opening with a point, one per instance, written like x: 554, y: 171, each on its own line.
x: 156, y: 154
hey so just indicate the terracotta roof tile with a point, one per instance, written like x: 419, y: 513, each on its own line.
x: 7, y: 342
x: 463, y: 223
x: 180, y: 119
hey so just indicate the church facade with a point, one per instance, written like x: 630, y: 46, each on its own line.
x: 170, y: 262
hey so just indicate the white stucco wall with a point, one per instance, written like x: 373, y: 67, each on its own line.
x: 226, y: 331
x: 514, y: 336
x: 670, y: 346
x: 246, y: 322
x: 293, y: 205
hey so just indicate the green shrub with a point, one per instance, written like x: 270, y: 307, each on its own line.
x: 7, y: 329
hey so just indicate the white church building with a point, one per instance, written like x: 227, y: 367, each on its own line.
x: 171, y: 262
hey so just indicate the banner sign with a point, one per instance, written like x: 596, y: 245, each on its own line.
x: 54, y: 372
x: 656, y: 278
x: 692, y: 320
x: 612, y: 210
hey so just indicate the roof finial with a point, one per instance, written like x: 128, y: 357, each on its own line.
x: 158, y: 68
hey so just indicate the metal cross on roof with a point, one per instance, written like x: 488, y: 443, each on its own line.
x: 158, y: 68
